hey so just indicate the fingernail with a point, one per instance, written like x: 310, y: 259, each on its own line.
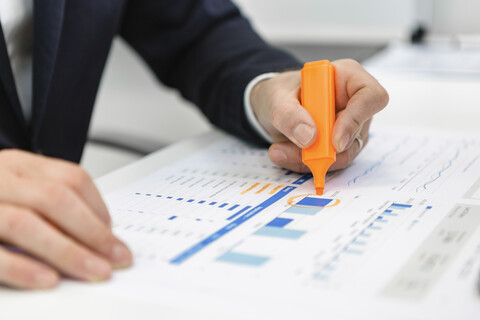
x: 98, y: 270
x: 342, y: 143
x: 278, y: 155
x: 45, y: 280
x: 303, y: 134
x: 121, y: 256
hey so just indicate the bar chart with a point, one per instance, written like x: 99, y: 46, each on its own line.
x: 352, y: 251
x: 256, y: 250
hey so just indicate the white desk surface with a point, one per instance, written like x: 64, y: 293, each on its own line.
x: 415, y: 101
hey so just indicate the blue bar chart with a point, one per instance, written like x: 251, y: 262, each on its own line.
x: 250, y: 213
x: 243, y: 259
x: 276, y: 231
x: 352, y: 252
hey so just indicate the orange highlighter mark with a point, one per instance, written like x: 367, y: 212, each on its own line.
x: 290, y: 202
x: 318, y: 98
x: 250, y: 188
x: 274, y: 190
x: 263, y: 188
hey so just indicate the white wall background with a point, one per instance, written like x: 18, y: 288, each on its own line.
x: 456, y: 16
x: 346, y: 21
x: 358, y: 21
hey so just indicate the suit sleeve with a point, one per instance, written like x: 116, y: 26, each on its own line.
x: 207, y: 50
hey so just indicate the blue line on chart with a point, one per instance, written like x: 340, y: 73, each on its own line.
x: 437, y: 176
x: 231, y: 226
x: 233, y: 207
x: 378, y: 163
x: 303, y: 179
x: 188, y: 200
x: 238, y: 213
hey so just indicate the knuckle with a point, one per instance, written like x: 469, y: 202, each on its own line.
x: 385, y: 98
x: 71, y: 257
x: 55, y: 193
x: 356, y: 123
x: 380, y: 96
x: 78, y: 176
x: 102, y: 237
x: 16, y: 222
x: 350, y: 62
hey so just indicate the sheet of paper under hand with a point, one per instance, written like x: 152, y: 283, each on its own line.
x: 397, y: 230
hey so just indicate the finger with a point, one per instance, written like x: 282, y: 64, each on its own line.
x: 287, y: 155
x: 284, y: 118
x: 21, y: 272
x: 49, y: 244
x: 63, y: 172
x: 65, y: 209
x: 294, y: 122
x: 80, y: 181
x: 358, y: 97
x: 345, y: 158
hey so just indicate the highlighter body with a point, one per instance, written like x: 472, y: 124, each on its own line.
x: 318, y: 98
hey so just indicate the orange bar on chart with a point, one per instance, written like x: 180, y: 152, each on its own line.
x: 265, y: 187
x: 250, y: 188
x: 274, y: 190
x: 318, y: 97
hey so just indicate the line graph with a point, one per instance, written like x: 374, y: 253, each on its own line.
x: 378, y: 163
x: 447, y: 165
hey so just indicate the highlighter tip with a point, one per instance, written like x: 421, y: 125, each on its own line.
x: 319, y: 191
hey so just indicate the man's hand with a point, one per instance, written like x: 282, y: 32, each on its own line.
x: 276, y: 104
x: 53, y: 221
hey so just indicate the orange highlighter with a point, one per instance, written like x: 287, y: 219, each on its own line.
x: 318, y: 97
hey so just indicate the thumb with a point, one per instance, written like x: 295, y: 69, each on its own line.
x: 294, y: 122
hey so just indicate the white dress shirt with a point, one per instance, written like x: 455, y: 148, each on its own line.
x: 252, y: 118
x: 16, y: 17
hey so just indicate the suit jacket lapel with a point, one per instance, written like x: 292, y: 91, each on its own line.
x: 8, y: 82
x: 48, y: 24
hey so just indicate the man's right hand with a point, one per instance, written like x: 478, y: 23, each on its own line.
x: 53, y: 221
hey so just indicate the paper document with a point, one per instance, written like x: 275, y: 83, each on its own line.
x: 432, y: 59
x: 399, y: 230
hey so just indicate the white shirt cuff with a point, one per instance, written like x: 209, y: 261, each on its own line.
x: 248, y: 107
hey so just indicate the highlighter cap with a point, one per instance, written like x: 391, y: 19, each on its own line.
x: 318, y: 98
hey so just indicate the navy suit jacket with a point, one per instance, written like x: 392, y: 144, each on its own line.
x: 204, y: 48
